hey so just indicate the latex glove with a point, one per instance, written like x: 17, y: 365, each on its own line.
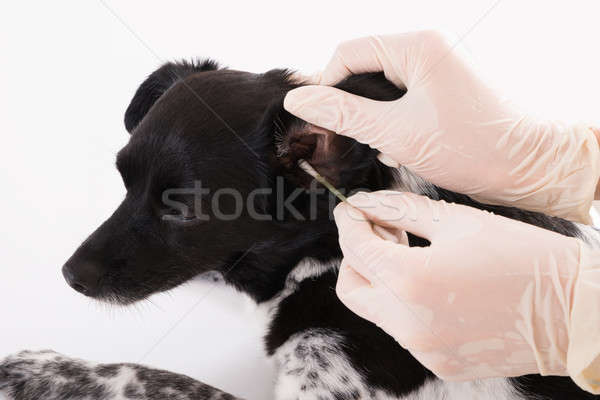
x: 489, y: 297
x: 452, y: 129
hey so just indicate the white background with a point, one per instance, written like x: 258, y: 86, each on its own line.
x: 67, y: 72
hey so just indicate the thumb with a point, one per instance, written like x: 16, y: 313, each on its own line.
x: 362, y: 119
x: 405, y: 211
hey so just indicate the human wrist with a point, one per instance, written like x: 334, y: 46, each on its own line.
x: 575, y: 170
x: 583, y: 357
x: 596, y: 132
x: 558, y: 172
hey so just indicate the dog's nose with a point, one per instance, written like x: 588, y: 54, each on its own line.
x: 83, y: 277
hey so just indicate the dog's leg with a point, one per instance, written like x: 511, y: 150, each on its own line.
x: 51, y: 376
x: 312, y: 365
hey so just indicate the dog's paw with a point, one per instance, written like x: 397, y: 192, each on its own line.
x: 23, y: 366
x: 48, y: 375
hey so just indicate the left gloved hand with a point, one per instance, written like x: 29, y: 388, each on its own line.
x: 453, y: 129
x: 489, y: 297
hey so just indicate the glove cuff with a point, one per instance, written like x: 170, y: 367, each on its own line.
x: 583, y: 355
x: 578, y: 175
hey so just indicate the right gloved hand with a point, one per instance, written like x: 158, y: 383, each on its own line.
x: 452, y: 129
x: 489, y: 297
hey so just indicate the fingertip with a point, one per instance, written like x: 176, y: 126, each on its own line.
x: 292, y: 99
x: 299, y: 78
x: 315, y: 78
x: 349, y: 280
x: 314, y: 104
x: 382, y: 202
x: 400, y: 210
x: 339, y: 209
x: 403, y: 238
x: 361, y: 198
x: 331, y: 77
x: 388, y: 160
x: 346, y: 214
x: 386, y: 197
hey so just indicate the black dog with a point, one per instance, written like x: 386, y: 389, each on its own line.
x: 204, y: 141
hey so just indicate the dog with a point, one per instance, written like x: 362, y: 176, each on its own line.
x: 200, y: 132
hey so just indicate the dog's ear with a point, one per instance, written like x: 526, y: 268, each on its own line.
x: 158, y: 83
x: 340, y: 159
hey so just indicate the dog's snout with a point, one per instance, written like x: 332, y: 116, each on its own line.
x: 83, y: 277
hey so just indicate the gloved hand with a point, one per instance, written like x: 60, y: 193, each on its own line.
x: 452, y: 129
x: 489, y: 297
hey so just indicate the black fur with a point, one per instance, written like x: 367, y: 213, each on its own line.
x: 194, y: 122
x: 157, y: 83
x: 315, y: 305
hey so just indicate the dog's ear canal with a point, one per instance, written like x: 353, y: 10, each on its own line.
x: 346, y: 163
x: 296, y: 139
x: 157, y: 83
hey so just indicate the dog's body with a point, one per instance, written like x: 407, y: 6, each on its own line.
x: 226, y: 129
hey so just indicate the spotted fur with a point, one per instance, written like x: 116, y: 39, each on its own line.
x: 314, y: 364
x: 48, y: 375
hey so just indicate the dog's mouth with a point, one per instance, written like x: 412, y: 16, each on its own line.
x: 126, y: 295
x: 115, y: 288
x: 111, y: 294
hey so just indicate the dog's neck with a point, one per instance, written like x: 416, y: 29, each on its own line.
x: 261, y: 271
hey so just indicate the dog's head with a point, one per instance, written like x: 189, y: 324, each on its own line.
x: 212, y: 184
